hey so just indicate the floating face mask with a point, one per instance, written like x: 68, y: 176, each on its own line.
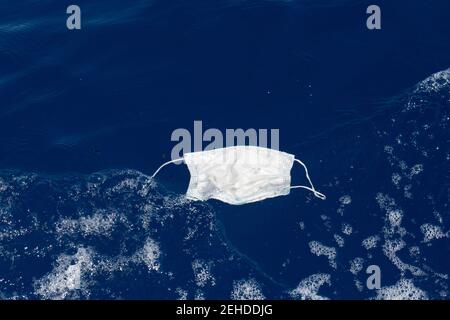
x: 241, y: 174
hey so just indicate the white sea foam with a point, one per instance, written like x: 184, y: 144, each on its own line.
x: 415, y: 170
x: 199, y: 295
x: 339, y: 240
x: 432, y: 232
x: 385, y: 202
x: 3, y: 185
x: 390, y: 249
x: 247, y: 290
x: 301, y: 225
x: 370, y: 242
x: 321, y: 250
x: 149, y: 254
x: 66, y: 279
x: 202, y: 273
x: 346, y: 229
x: 396, y: 178
x: 395, y: 217
x: 345, y: 200
x: 435, y: 82
x: 356, y: 265
x: 404, y: 289
x: 100, y: 223
x: 308, y: 288
x: 414, y: 251
x: 182, y: 294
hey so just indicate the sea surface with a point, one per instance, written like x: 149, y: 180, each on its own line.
x: 86, y: 116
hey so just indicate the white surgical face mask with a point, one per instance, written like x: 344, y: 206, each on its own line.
x: 241, y: 174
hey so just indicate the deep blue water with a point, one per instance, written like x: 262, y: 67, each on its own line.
x: 86, y: 116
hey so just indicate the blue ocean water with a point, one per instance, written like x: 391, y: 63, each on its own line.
x: 86, y: 116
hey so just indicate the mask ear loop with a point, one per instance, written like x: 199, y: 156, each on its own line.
x: 165, y: 164
x: 312, y: 189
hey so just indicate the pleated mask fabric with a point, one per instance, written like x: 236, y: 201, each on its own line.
x: 240, y: 174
